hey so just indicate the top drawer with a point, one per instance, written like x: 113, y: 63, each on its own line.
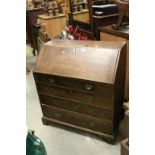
x: 88, y: 86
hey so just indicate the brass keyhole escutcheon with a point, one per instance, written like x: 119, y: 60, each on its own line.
x: 89, y: 86
x: 51, y: 80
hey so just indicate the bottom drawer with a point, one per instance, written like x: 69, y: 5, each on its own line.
x: 77, y: 119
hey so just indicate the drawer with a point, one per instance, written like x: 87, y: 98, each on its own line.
x: 75, y: 95
x: 66, y: 93
x: 97, y: 88
x: 80, y: 120
x: 76, y: 106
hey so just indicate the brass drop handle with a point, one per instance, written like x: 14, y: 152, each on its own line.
x: 91, y: 124
x: 51, y: 80
x: 76, y: 107
x: 90, y: 98
x: 91, y: 111
x: 71, y: 91
x: 89, y: 86
x: 57, y: 115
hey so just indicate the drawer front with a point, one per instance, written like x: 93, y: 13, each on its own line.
x: 66, y: 93
x: 77, y: 119
x: 75, y: 95
x: 77, y: 107
x: 76, y: 84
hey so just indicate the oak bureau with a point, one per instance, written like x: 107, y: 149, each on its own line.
x: 80, y: 84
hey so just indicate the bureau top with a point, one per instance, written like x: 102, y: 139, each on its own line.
x: 88, y: 60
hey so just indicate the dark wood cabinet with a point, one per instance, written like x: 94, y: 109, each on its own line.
x: 81, y: 85
x: 31, y: 19
x: 108, y: 14
x: 103, y: 21
x: 87, y: 20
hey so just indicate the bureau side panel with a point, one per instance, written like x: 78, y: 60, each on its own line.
x: 119, y: 86
x: 111, y: 37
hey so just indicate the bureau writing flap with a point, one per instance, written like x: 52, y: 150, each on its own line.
x: 91, y: 60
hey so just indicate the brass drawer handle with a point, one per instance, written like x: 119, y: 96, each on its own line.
x: 89, y: 86
x: 90, y: 98
x: 91, y: 124
x: 71, y: 92
x: 76, y: 107
x: 51, y: 80
x: 57, y: 115
x: 91, y: 111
